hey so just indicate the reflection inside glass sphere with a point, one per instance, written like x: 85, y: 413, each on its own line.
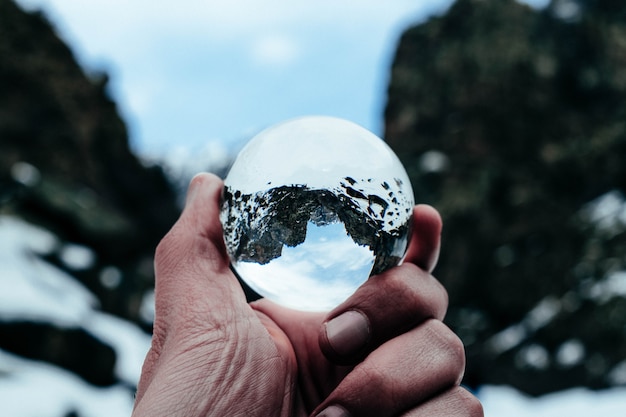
x: 312, y: 207
x: 328, y: 255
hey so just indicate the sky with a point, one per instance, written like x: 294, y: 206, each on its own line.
x: 198, y: 72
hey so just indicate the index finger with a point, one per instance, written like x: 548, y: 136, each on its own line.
x: 425, y: 242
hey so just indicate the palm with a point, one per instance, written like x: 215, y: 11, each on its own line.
x: 295, y: 335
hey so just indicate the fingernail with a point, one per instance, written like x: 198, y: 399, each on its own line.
x: 333, y: 411
x: 348, y: 332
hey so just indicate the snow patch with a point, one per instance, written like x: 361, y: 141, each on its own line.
x: 578, y: 402
x: 33, y: 290
x: 31, y: 388
x: 77, y: 257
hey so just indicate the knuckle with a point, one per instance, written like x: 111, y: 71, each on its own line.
x: 169, y: 239
x: 417, y: 291
x: 444, y: 297
x: 377, y: 377
x: 456, y: 402
x: 164, y: 249
x: 450, y: 355
x: 397, y: 280
x: 469, y: 403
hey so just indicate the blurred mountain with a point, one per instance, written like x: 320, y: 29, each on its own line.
x: 511, y: 121
x: 65, y: 161
x: 66, y: 166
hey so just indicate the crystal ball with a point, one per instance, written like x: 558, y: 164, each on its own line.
x: 312, y: 207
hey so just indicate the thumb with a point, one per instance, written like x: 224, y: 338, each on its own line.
x: 194, y: 284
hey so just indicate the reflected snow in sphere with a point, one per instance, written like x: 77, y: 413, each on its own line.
x: 312, y: 208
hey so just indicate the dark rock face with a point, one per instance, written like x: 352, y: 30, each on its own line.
x: 527, y: 109
x: 66, y: 165
x: 91, y: 188
x: 57, y: 119
x: 72, y: 349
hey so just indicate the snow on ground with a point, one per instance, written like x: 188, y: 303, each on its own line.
x: 579, y: 402
x: 29, y: 388
x: 31, y: 289
x: 129, y: 342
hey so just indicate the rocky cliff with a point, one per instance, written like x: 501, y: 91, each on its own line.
x: 511, y: 122
x: 66, y: 165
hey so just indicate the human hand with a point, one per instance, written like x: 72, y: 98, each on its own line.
x: 383, y: 352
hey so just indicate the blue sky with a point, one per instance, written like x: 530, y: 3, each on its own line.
x: 196, y: 72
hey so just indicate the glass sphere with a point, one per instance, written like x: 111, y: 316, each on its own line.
x: 312, y: 208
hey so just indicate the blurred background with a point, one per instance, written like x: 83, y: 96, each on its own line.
x: 509, y: 116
